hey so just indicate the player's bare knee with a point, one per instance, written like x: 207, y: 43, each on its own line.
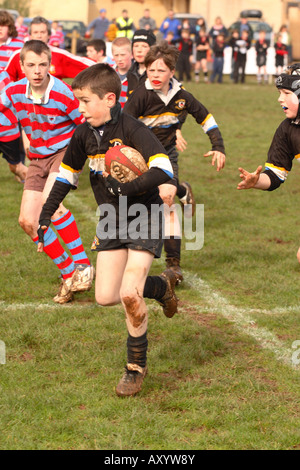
x: 168, y: 199
x: 27, y: 226
x: 298, y: 255
x: 104, y: 300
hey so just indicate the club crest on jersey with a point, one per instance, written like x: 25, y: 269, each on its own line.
x: 51, y: 119
x: 180, y: 104
x: 115, y: 142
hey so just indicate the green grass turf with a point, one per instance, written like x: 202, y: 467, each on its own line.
x: 220, y: 372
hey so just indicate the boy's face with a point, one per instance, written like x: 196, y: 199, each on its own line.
x: 289, y: 103
x: 3, y: 34
x: 139, y: 51
x: 40, y: 32
x: 93, y: 54
x: 122, y: 57
x: 36, y: 68
x: 95, y: 110
x: 160, y: 75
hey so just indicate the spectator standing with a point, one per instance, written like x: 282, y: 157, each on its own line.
x: 111, y: 33
x: 171, y: 24
x: 146, y: 22
x: 242, y: 45
x: 185, y: 47
x: 125, y: 25
x: 22, y: 29
x: 99, y: 25
x: 216, y: 29
x: 281, y: 54
x: 202, y: 47
x: 57, y: 37
x: 232, y: 43
x: 261, y: 47
x: 200, y: 24
x: 245, y: 26
x: 218, y: 58
x: 286, y: 39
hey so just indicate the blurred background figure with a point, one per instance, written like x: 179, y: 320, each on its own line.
x: 146, y: 22
x: 125, y: 26
x: 99, y: 26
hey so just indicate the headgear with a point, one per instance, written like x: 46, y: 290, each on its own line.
x: 143, y: 35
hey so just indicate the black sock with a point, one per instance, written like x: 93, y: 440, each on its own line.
x: 155, y: 288
x: 181, y: 191
x: 172, y: 247
x: 137, y: 350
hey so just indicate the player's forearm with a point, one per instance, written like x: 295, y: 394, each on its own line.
x: 263, y: 182
x: 56, y: 196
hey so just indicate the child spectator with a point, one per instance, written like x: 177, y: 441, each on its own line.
x: 185, y: 47
x: 232, y: 43
x: 202, y: 47
x: 242, y: 46
x: 281, y: 54
x: 261, y: 47
x: 218, y: 58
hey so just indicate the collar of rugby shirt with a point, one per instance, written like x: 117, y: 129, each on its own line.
x: 45, y: 98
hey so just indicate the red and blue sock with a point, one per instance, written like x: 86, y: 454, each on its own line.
x: 67, y: 229
x: 56, y: 252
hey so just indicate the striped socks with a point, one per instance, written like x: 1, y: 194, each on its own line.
x: 67, y: 229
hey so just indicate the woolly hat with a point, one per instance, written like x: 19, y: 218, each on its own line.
x: 142, y: 35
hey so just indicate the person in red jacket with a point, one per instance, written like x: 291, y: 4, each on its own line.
x: 63, y: 63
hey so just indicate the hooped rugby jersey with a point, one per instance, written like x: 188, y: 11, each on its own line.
x: 284, y: 149
x: 92, y: 144
x: 9, y: 129
x: 63, y: 64
x: 49, y: 122
x: 7, y: 49
x: 164, y: 114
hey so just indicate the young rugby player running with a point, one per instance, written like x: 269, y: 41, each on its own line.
x: 124, y: 258
x: 48, y: 112
x: 161, y: 103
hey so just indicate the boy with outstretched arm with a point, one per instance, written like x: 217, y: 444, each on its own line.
x: 124, y: 260
x: 162, y: 104
x: 285, y: 146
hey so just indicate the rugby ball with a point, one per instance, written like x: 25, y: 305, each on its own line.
x: 124, y: 163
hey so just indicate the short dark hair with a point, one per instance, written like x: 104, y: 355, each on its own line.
x: 36, y: 46
x: 100, y: 79
x: 6, y: 19
x: 167, y: 52
x: 40, y: 20
x: 98, y: 44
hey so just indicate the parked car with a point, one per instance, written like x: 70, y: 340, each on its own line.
x: 254, y: 18
x: 68, y: 27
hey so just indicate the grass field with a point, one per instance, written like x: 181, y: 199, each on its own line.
x: 223, y: 373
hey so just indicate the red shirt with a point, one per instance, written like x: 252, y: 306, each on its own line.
x: 63, y: 64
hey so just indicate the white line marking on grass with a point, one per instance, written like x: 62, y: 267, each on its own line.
x: 240, y: 317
